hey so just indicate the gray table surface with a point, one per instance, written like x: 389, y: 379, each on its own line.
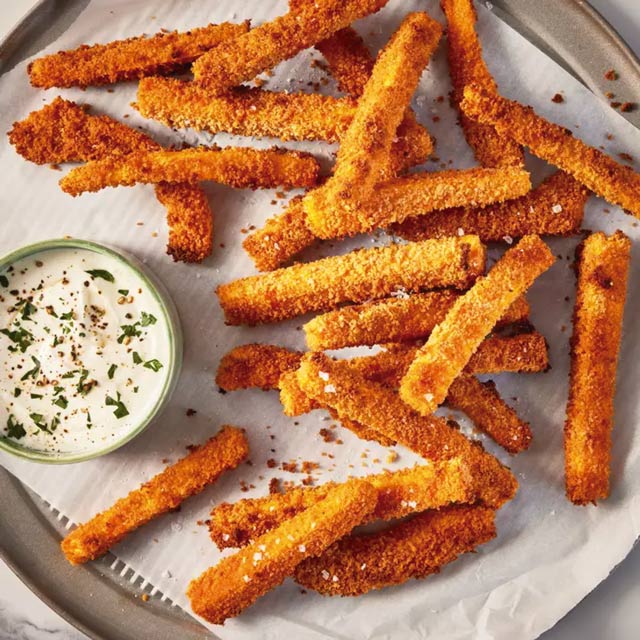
x: 611, y: 611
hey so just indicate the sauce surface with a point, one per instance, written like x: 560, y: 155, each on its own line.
x: 85, y: 351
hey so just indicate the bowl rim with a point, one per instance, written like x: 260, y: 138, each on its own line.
x: 174, y: 335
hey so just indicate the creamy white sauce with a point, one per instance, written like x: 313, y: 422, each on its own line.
x: 84, y: 360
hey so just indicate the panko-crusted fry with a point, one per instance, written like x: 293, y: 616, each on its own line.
x: 237, y: 581
x: 416, y: 548
x: 259, y: 113
x: 365, y: 147
x: 555, y: 144
x: 355, y: 277
x: 455, y: 340
x: 129, y: 59
x: 391, y: 320
x: 63, y: 131
x: 489, y: 412
x: 265, y: 46
x: 163, y: 493
x: 603, y: 264
x: 465, y: 66
x: 240, y: 167
x: 524, y: 353
x: 555, y: 208
x: 400, y: 493
x: 334, y: 384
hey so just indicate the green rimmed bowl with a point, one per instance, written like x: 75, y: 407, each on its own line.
x: 173, y: 337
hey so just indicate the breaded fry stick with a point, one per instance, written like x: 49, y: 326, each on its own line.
x: 400, y: 493
x: 358, y: 276
x: 555, y: 208
x: 365, y: 147
x: 465, y: 66
x: 391, y: 320
x: 415, y: 548
x: 63, y: 131
x: 596, y: 170
x: 237, y: 581
x: 603, y: 265
x: 524, y: 353
x: 489, y: 412
x: 335, y: 384
x: 265, y: 46
x: 129, y: 59
x: 240, y: 167
x: 163, y: 493
x: 455, y: 340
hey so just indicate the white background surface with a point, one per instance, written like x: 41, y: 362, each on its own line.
x: 611, y: 611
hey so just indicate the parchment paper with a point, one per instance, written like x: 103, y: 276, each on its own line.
x: 548, y: 554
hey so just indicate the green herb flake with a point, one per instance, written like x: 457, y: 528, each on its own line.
x: 154, y: 365
x: 112, y: 370
x: 36, y: 396
x: 69, y: 374
x: 147, y: 319
x: 32, y: 373
x: 15, y: 430
x: 4, y: 281
x: 67, y: 316
x: 28, y: 310
x: 20, y: 337
x: 120, y: 409
x: 136, y: 358
x: 123, y: 292
x: 39, y: 421
x: 101, y: 273
x: 61, y: 402
x: 16, y: 392
x: 89, y: 423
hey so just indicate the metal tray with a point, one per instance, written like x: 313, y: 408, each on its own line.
x: 103, y: 599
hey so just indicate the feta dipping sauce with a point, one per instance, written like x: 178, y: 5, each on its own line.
x: 89, y: 351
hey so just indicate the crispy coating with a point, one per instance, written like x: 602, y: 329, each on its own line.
x: 239, y: 167
x: 365, y: 147
x: 265, y: 46
x: 400, y: 493
x: 129, y: 59
x: 163, y: 493
x: 555, y: 207
x: 355, y: 277
x: 455, y: 340
x: 237, y: 581
x: 524, y: 353
x: 415, y: 548
x: 418, y: 195
x: 602, y: 268
x: 391, y: 320
x: 596, y: 170
x: 63, y: 131
x: 489, y: 412
x: 380, y: 408
x: 465, y: 66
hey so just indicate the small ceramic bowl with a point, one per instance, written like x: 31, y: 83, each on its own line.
x: 173, y: 347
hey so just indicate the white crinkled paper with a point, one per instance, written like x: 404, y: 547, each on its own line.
x: 548, y: 554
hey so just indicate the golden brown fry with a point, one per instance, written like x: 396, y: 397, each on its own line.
x: 465, y: 66
x: 358, y: 276
x: 365, y: 147
x: 555, y: 144
x: 163, y: 493
x: 391, y: 320
x: 524, y: 353
x: 129, y: 59
x: 603, y: 264
x: 455, y: 340
x: 555, y: 207
x: 415, y: 548
x: 482, y: 403
x: 63, y: 131
x: 239, y: 167
x: 265, y: 46
x: 335, y: 384
x: 237, y: 581
x: 400, y: 493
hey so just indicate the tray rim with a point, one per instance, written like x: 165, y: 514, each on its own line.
x: 159, y: 619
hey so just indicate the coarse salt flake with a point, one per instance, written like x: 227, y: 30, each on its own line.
x: 302, y: 548
x: 557, y: 208
x: 246, y: 578
x: 325, y: 574
x: 329, y: 389
x: 323, y: 375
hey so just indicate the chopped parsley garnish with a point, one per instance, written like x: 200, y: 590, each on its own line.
x: 129, y: 330
x: 89, y: 423
x: 112, y: 370
x: 28, y: 310
x: 36, y: 396
x: 69, y: 374
x: 123, y: 292
x: 20, y: 337
x: 57, y: 390
x: 154, y: 365
x: 40, y: 422
x: 15, y: 429
x: 83, y: 387
x: 136, y: 358
x: 120, y: 409
x: 4, y: 281
x: 67, y: 316
x: 61, y: 402
x: 16, y: 392
x: 101, y: 273
x: 57, y: 340
x: 32, y: 373
x: 147, y: 319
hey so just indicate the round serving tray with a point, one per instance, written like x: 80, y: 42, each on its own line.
x: 103, y: 599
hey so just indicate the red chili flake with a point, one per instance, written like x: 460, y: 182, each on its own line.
x: 628, y: 106
x: 557, y: 98
x: 611, y: 74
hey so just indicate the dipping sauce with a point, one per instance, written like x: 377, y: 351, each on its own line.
x: 85, y: 348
